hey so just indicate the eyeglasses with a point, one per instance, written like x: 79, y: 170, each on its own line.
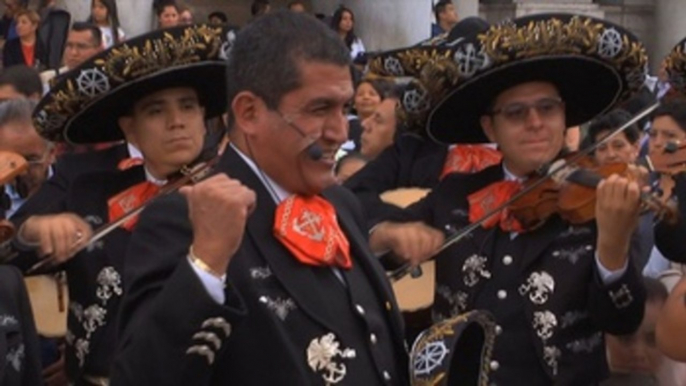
x: 519, y: 112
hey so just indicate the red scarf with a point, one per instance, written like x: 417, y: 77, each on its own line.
x: 307, y: 227
x: 491, y: 197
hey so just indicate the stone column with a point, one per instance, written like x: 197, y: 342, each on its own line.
x: 669, y: 27
x: 136, y: 16
x: 467, y: 8
x: 386, y: 24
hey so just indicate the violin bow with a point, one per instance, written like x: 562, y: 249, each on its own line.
x: 193, y: 174
x: 555, y: 168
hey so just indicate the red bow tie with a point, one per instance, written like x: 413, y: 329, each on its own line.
x: 307, y: 227
x: 131, y: 198
x: 470, y: 159
x: 491, y: 197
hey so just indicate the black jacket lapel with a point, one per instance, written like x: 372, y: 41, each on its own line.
x: 360, y: 250
x: 289, y: 272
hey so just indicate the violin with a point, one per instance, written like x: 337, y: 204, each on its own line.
x: 546, y: 196
x: 187, y: 175
x: 571, y: 194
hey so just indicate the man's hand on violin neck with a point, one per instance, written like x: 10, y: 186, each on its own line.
x: 617, y: 210
x: 413, y: 242
x: 218, y: 209
x: 58, y: 236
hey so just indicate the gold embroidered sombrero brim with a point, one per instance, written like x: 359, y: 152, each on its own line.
x: 85, y: 105
x: 594, y: 64
x: 429, y: 70
x: 455, y: 351
x: 675, y: 65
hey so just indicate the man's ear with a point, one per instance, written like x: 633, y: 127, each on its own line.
x: 487, y: 127
x: 126, y: 125
x: 248, y: 111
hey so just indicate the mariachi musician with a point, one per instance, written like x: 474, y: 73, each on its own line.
x: 669, y: 125
x: 415, y: 161
x: 19, y: 350
x: 554, y: 289
x: 155, y: 90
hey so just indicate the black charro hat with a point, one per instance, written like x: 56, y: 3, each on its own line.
x: 594, y: 64
x: 428, y: 70
x: 84, y: 106
x: 455, y: 351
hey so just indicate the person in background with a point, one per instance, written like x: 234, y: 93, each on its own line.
x: 297, y: 6
x: 343, y: 22
x: 446, y: 17
x: 368, y: 95
x: 167, y: 14
x: 381, y: 128
x: 20, y: 81
x: 217, y: 17
x: 83, y: 41
x: 18, y: 135
x: 26, y: 48
x: 7, y: 23
x: 259, y: 8
x: 348, y: 165
x: 104, y: 14
x: 624, y: 148
x: 185, y: 15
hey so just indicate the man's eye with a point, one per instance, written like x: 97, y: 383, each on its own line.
x: 515, y: 111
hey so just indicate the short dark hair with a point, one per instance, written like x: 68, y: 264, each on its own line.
x: 259, y: 7
x: 674, y: 108
x: 96, y: 34
x: 610, y: 122
x: 266, y: 56
x: 382, y: 86
x: 439, y: 8
x: 24, y: 79
x: 161, y: 5
x: 350, y: 37
x: 219, y: 15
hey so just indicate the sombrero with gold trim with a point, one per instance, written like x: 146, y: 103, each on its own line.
x: 84, y: 106
x: 675, y: 65
x: 455, y: 351
x: 594, y: 64
x: 427, y: 68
